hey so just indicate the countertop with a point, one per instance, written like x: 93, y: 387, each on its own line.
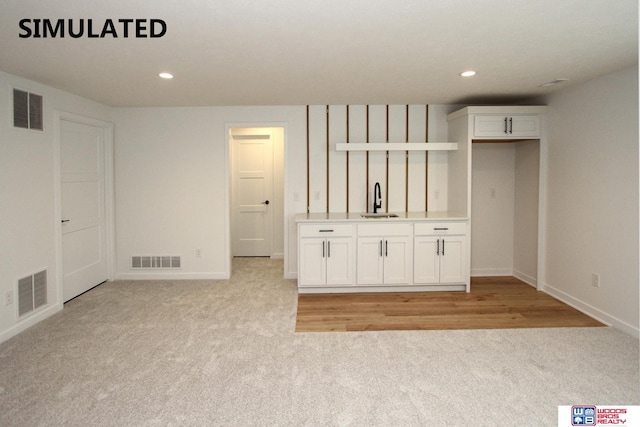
x: 402, y: 216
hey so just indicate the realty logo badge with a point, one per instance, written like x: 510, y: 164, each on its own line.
x: 583, y: 415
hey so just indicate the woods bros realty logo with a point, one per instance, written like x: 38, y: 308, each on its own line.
x: 88, y: 28
x: 592, y: 415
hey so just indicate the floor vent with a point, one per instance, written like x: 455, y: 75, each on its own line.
x: 27, y: 110
x: 147, y: 262
x: 32, y: 292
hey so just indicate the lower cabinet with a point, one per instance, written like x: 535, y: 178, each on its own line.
x: 340, y: 257
x: 326, y: 260
x: 385, y: 254
x: 440, y: 256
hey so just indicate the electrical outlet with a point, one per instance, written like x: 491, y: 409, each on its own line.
x: 8, y: 298
x: 595, y: 280
x: 198, y: 253
x: 316, y: 195
x: 436, y: 195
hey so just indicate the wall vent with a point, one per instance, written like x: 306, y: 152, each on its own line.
x: 145, y: 262
x: 32, y: 292
x: 27, y: 110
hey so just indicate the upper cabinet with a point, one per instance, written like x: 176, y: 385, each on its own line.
x: 499, y: 126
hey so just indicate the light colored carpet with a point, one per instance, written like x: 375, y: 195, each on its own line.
x: 225, y: 353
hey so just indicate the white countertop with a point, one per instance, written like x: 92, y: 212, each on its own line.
x: 402, y: 216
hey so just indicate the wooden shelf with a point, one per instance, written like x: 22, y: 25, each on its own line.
x: 404, y: 146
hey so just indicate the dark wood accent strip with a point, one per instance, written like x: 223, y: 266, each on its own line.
x: 347, y: 159
x: 367, y: 159
x: 426, y: 161
x: 308, y: 185
x: 328, y: 159
x: 386, y: 187
x: 406, y: 163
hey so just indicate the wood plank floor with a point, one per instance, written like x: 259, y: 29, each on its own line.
x: 493, y: 303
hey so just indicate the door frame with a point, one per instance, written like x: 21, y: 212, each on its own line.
x: 109, y: 194
x: 227, y: 185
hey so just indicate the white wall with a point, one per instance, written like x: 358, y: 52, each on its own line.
x: 525, y: 225
x: 592, y: 207
x: 172, y: 184
x: 492, y: 207
x: 27, y: 197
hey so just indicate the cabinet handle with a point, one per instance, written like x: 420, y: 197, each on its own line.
x: 326, y: 231
x: 380, y: 247
x: 438, y: 247
x: 506, y: 129
x: 329, y: 249
x: 510, y: 124
x: 441, y: 228
x: 322, y: 249
x: 386, y: 248
x: 442, y: 247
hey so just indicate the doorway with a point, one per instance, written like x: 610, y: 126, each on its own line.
x: 84, y: 203
x: 257, y: 191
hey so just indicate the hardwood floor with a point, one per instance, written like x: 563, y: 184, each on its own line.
x: 493, y: 303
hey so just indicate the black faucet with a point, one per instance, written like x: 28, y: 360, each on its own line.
x: 376, y: 195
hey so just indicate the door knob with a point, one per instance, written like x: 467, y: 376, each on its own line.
x: 266, y: 202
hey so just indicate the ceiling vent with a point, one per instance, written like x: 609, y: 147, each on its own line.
x: 32, y: 292
x: 27, y: 110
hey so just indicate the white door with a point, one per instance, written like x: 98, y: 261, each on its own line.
x: 426, y: 265
x: 252, y: 191
x: 370, y: 261
x: 313, y: 256
x: 82, y: 175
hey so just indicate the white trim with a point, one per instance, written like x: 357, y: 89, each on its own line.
x: 529, y: 280
x: 109, y: 194
x: 173, y: 276
x: 29, y: 321
x: 277, y: 255
x: 360, y: 289
x: 592, y: 311
x: 489, y: 272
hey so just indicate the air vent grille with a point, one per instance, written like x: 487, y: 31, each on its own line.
x: 155, y: 262
x: 32, y: 292
x: 27, y: 110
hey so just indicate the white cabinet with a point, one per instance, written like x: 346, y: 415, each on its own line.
x: 385, y: 254
x: 440, y: 253
x: 326, y: 255
x: 501, y: 126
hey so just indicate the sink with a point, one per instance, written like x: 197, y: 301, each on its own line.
x: 379, y: 215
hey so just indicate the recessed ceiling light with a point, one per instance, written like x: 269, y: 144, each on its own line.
x: 553, y: 82
x: 166, y: 75
x: 468, y: 73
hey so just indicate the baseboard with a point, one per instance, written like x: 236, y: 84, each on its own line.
x: 172, y: 276
x: 592, y: 311
x: 488, y: 272
x: 28, y: 322
x: 529, y: 280
x: 277, y: 256
x: 291, y: 275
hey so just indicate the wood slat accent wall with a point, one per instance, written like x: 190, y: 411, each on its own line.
x: 344, y: 181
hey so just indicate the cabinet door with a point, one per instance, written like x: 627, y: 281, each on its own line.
x: 398, y: 257
x: 505, y: 126
x: 426, y: 256
x: 312, y: 262
x: 370, y: 261
x: 340, y: 261
x: 452, y: 259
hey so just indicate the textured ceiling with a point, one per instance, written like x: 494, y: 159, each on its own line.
x: 296, y: 52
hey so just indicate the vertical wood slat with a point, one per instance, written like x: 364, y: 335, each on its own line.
x: 396, y: 182
x: 417, y: 170
x: 317, y: 159
x: 337, y: 159
x: 357, y: 128
x: 378, y: 159
x: 308, y: 191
